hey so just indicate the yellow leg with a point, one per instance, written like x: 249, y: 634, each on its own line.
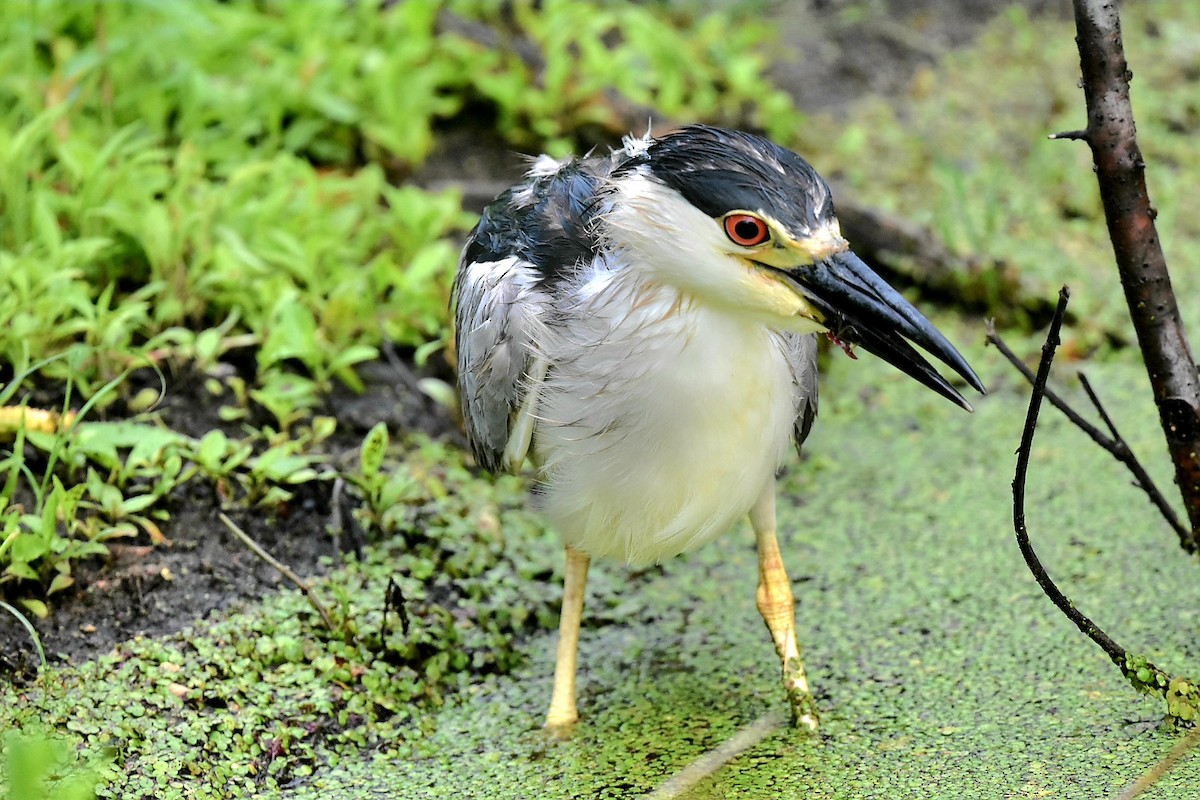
x: 563, y: 713
x: 778, y: 609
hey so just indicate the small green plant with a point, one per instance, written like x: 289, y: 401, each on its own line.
x: 107, y: 480
x: 227, y: 190
x: 388, y: 496
x: 598, y: 59
x: 42, y: 766
x: 37, y: 607
x: 182, y: 180
x: 464, y: 561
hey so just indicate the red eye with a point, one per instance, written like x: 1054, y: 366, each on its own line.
x: 746, y: 230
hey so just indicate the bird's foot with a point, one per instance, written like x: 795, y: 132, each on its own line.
x: 800, y: 699
x: 560, y: 732
x: 560, y: 721
x: 804, y: 711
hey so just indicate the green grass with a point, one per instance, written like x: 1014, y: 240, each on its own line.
x: 185, y: 183
x: 143, y: 193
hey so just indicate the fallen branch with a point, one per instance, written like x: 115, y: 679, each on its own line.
x: 1182, y: 695
x: 902, y: 249
x: 286, y: 571
x: 708, y: 763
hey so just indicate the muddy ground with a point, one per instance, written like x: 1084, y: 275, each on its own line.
x: 144, y: 590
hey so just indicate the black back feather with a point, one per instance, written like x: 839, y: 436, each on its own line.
x: 546, y: 221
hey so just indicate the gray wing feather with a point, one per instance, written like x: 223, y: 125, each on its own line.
x: 801, y: 352
x: 498, y: 320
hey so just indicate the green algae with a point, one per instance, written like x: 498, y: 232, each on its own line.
x: 261, y: 698
x: 940, y: 669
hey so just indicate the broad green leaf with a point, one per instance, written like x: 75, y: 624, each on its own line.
x: 374, y: 448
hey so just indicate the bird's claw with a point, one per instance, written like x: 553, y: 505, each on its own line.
x: 800, y: 699
x: 560, y: 732
x: 804, y: 710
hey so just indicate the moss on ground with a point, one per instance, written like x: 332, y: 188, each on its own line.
x: 261, y: 698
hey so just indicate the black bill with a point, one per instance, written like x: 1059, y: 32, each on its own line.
x: 860, y: 308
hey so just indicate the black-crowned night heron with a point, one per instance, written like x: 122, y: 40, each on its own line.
x: 641, y: 327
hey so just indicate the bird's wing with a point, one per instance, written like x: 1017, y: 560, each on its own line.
x: 499, y: 310
x: 526, y: 242
x: 801, y: 352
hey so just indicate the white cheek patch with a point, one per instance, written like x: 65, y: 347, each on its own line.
x: 659, y: 223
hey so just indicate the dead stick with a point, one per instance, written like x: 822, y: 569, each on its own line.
x: 1181, y: 693
x: 714, y: 759
x: 1089, y: 628
x: 283, y: 569
x: 1151, y: 776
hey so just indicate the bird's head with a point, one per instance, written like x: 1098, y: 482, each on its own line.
x: 738, y: 222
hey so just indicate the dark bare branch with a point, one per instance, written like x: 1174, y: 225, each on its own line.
x: 1182, y: 694
x: 1120, y: 171
x: 1089, y: 628
x: 1115, y: 444
x: 1091, y: 393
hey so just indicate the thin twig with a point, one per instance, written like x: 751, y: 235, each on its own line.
x: 402, y: 370
x: 284, y: 570
x: 393, y: 597
x: 335, y: 514
x: 1089, y: 628
x: 1115, y: 445
x: 1181, y: 693
x: 719, y: 756
x: 1112, y: 427
x: 1122, y: 452
x: 1152, y: 775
